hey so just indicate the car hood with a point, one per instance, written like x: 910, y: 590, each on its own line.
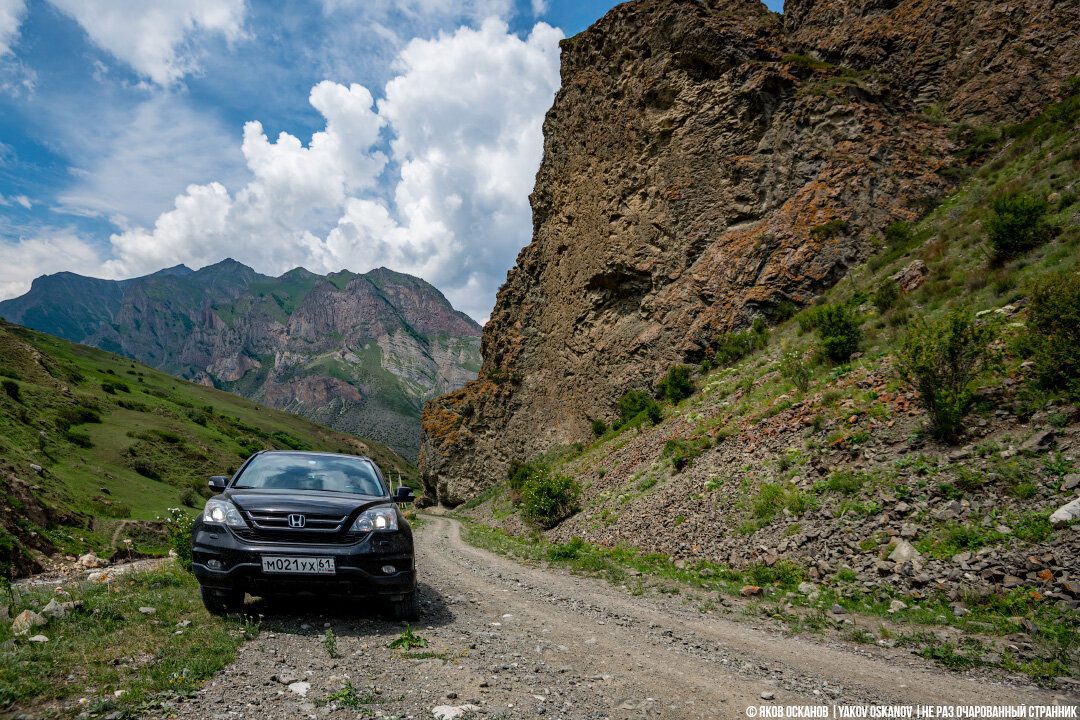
x: 298, y: 501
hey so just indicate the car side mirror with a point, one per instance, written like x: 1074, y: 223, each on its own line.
x: 404, y: 495
x: 218, y: 483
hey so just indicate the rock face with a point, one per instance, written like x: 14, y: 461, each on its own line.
x: 360, y: 353
x: 709, y: 163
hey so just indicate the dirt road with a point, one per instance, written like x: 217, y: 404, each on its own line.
x: 522, y: 642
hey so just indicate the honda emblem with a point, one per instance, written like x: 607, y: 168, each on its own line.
x: 297, y: 521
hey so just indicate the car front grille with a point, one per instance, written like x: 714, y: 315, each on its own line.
x: 266, y: 526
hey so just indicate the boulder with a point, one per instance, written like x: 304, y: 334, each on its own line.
x: 904, y: 552
x: 59, y: 610
x: 1040, y: 441
x: 1066, y: 514
x: 26, y: 621
x: 91, y: 561
x: 911, y: 277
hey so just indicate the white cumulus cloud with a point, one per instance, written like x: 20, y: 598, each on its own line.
x: 463, y: 116
x: 155, y: 37
x: 25, y: 260
x: 11, y: 14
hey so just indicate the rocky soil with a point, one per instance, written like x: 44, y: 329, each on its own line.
x: 516, y: 641
x: 707, y: 163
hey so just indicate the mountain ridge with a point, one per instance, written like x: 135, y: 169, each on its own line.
x: 360, y: 352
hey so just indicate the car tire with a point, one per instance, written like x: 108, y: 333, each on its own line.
x: 217, y: 604
x: 407, y: 608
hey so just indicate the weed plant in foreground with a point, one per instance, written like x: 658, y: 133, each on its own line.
x: 108, y: 656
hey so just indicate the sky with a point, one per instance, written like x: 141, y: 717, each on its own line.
x: 329, y: 134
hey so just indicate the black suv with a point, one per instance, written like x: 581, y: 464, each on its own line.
x: 293, y: 523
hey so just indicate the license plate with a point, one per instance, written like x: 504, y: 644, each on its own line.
x: 298, y: 565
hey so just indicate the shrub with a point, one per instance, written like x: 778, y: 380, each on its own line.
x: 188, y: 497
x: 683, y: 452
x: 676, y: 385
x: 12, y: 389
x: 547, y: 499
x: 567, y: 551
x: 1018, y: 224
x: 825, y: 231
x: 146, y: 468
x: 733, y: 347
x: 795, y: 366
x: 840, y: 332
x: 886, y: 295
x: 76, y: 416
x: 844, y: 482
x: 178, y: 530
x: 1054, y: 331
x: 599, y: 427
x: 943, y: 358
x: 635, y: 407
x: 897, y: 235
x: 521, y: 472
x: 114, y: 386
x: 78, y: 438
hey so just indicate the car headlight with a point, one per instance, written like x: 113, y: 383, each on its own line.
x: 377, y: 518
x: 222, y: 512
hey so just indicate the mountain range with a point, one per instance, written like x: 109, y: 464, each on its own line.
x: 361, y: 353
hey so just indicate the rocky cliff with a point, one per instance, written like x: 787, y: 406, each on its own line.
x: 709, y: 163
x: 360, y: 353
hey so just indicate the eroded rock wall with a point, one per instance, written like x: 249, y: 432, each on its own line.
x: 706, y: 163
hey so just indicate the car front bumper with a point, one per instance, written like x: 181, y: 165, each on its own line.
x: 226, y: 563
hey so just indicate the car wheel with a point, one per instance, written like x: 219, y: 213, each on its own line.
x: 217, y: 604
x: 407, y: 608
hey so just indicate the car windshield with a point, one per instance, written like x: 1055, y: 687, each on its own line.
x: 307, y: 472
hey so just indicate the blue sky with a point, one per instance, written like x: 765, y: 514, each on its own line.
x: 137, y: 134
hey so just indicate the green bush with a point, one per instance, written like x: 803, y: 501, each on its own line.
x: 886, y: 295
x: 795, y: 366
x: 547, y: 499
x: 567, y: 551
x: 78, y: 438
x: 599, y: 427
x: 676, y: 385
x: 521, y: 472
x: 840, y: 332
x: 178, y: 529
x: 825, y: 231
x: 635, y: 407
x: 897, y: 235
x: 76, y: 416
x: 1018, y: 224
x: 12, y: 389
x: 113, y: 387
x: 1054, y: 331
x: 683, y: 452
x: 942, y: 359
x: 733, y: 347
x: 842, y: 481
x: 146, y: 469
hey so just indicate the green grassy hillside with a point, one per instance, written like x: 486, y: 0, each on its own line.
x: 117, y: 443
x: 802, y: 453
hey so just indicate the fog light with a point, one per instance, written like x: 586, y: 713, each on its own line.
x: 389, y: 569
x: 214, y: 564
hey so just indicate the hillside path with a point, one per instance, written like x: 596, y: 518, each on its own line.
x: 526, y: 642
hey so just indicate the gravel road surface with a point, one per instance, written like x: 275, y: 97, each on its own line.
x: 517, y: 641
